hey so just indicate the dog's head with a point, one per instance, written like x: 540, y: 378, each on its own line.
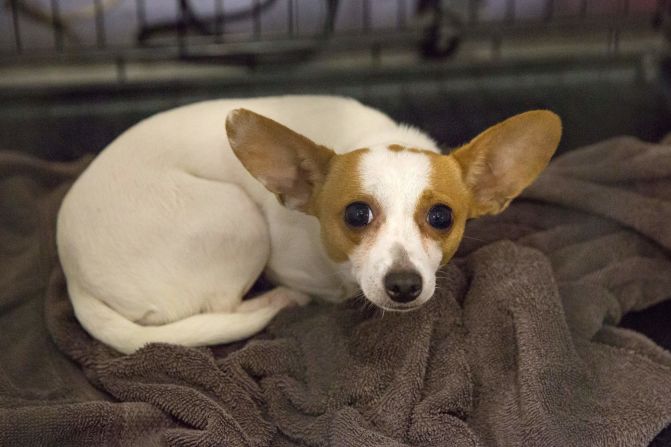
x: 395, y: 213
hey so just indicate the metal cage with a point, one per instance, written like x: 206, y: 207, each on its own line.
x: 451, y: 66
x: 250, y: 33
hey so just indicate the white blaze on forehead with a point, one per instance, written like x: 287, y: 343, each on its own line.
x: 396, y: 179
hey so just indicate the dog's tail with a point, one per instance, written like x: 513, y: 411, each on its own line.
x: 126, y: 336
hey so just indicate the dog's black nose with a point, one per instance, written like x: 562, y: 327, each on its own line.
x: 403, y: 286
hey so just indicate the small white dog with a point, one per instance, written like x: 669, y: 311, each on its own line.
x: 165, y: 232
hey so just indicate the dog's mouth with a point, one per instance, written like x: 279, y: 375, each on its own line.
x: 400, y: 308
x: 388, y: 306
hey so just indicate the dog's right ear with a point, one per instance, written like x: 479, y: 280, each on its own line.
x: 285, y: 162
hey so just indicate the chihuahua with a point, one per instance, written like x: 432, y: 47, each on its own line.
x: 170, y: 226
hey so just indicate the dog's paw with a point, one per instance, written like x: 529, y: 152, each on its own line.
x: 285, y: 297
x: 299, y: 298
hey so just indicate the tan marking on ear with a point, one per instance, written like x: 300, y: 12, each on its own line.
x: 342, y: 187
x: 287, y: 163
x: 446, y: 187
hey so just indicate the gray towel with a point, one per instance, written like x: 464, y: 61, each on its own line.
x: 520, y: 345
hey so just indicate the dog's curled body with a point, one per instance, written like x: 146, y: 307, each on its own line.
x: 169, y: 227
x: 165, y: 231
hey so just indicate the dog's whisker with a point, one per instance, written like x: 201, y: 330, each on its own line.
x: 474, y: 238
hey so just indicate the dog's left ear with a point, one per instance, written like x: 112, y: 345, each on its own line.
x: 285, y: 162
x: 503, y: 160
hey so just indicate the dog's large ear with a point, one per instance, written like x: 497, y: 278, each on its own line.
x: 285, y: 162
x: 503, y: 160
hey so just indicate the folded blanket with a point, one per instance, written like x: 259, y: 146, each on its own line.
x: 520, y: 345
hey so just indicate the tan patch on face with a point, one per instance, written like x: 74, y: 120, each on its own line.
x: 446, y: 187
x: 342, y: 187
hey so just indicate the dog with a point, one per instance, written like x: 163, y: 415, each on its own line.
x: 170, y: 226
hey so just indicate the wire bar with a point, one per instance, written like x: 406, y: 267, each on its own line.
x: 473, y: 12
x: 191, y: 31
x: 141, y: 13
x: 99, y: 23
x: 401, y: 15
x: 182, y: 25
x: 256, y: 18
x: 57, y: 25
x: 510, y: 11
x: 290, y: 18
x: 549, y: 10
x: 365, y: 16
x: 15, y: 25
x: 219, y: 22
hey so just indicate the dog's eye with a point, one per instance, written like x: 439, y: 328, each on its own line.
x: 439, y: 217
x: 358, y: 214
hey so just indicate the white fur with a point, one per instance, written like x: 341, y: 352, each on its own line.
x: 164, y: 233
x: 396, y: 180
